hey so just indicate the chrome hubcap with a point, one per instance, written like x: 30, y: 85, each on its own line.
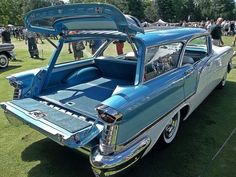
x: 171, y: 127
x: 3, y: 61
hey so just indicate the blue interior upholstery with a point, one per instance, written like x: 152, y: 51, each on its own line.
x: 82, y: 75
x: 115, y: 68
x: 84, y: 88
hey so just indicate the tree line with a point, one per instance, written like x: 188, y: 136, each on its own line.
x: 13, y: 11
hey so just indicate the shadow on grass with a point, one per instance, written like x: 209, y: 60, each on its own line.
x: 39, y: 58
x: 56, y: 160
x: 16, y: 60
x: 9, y: 68
x: 198, y: 140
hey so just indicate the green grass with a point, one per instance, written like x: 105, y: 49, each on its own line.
x: 25, y: 152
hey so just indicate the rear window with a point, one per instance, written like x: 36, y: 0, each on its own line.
x: 121, y: 50
x: 80, y: 50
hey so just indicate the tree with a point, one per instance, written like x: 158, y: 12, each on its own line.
x: 136, y: 8
x: 166, y: 10
x: 150, y: 12
x: 11, y: 12
x: 32, y: 4
x: 223, y: 8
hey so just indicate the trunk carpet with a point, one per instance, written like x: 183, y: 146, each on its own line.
x: 56, y: 117
x: 83, y: 98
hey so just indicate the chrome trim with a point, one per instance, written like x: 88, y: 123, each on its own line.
x: 108, y: 139
x: 107, y: 142
x: 17, y: 93
x: 112, y: 164
x: 17, y: 87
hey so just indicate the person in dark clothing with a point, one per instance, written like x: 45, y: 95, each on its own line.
x: 216, y: 33
x: 30, y: 37
x: 95, y: 44
x: 6, y: 35
x: 232, y: 28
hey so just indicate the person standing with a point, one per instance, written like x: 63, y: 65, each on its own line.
x: 30, y: 37
x: 77, y: 47
x: 119, y: 47
x: 6, y: 35
x: 216, y: 33
x: 232, y: 28
x: 95, y: 44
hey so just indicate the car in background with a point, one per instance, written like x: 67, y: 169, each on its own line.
x: 6, y: 53
x: 133, y: 92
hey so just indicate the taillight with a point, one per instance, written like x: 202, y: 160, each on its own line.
x: 108, y: 114
x: 17, y: 87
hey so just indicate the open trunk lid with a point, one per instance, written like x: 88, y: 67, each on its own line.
x: 62, y: 126
x: 57, y: 19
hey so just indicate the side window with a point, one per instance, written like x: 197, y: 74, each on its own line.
x: 196, y: 49
x: 160, y: 59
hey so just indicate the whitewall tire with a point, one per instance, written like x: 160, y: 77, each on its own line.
x: 4, y: 61
x: 171, y: 129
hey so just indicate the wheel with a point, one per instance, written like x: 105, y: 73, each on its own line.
x: 4, y: 61
x: 171, y: 129
x: 222, y: 83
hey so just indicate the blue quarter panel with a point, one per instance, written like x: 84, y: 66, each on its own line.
x: 147, y: 102
x: 31, y: 81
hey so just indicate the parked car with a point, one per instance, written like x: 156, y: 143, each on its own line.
x: 115, y: 107
x: 6, y: 53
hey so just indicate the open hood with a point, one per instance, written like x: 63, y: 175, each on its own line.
x: 64, y: 18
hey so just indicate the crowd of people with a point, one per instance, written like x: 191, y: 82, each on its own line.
x: 217, y: 29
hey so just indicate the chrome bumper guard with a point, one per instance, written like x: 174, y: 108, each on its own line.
x: 106, y: 165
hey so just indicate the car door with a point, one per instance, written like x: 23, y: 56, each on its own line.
x: 163, y: 78
x: 197, y: 59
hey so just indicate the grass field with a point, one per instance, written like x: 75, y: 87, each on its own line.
x: 25, y: 152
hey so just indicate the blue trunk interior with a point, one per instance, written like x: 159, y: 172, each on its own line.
x: 79, y: 91
x: 52, y: 115
x: 83, y: 98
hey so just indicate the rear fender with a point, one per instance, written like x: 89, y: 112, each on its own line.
x: 29, y: 82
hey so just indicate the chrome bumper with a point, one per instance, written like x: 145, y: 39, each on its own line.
x: 106, y: 165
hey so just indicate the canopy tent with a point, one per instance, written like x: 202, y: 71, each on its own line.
x: 160, y: 22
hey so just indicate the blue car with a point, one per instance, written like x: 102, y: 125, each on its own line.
x: 114, y: 104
